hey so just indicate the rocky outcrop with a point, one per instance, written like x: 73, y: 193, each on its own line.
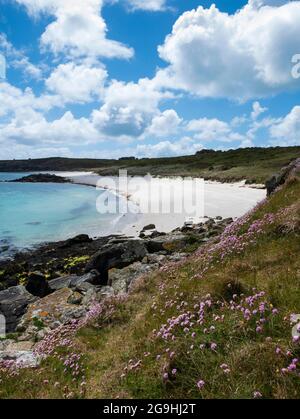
x: 41, y: 178
x: 102, y: 268
x: 37, y: 285
x: 280, y: 178
x: 13, y: 304
x: 80, y: 239
x: 121, y: 279
x: 172, y: 242
x: 74, y: 281
x: 50, y: 312
x: 116, y: 256
x: 21, y: 359
x: 149, y: 227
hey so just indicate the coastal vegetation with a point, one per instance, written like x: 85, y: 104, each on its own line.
x: 255, y: 165
x: 220, y: 323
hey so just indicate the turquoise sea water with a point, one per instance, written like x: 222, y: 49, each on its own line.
x: 31, y: 214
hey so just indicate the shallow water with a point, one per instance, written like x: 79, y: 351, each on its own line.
x: 33, y: 213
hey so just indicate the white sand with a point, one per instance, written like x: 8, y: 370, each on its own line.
x: 218, y: 199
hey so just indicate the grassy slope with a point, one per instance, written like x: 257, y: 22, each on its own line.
x: 254, y: 164
x: 270, y: 263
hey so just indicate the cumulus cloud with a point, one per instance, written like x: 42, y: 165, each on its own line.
x: 128, y: 108
x: 184, y: 146
x: 244, y: 55
x: 210, y: 53
x: 78, y: 29
x: 286, y: 131
x: 207, y: 130
x: 164, y: 124
x: 77, y: 83
x: 13, y: 100
x: 31, y: 128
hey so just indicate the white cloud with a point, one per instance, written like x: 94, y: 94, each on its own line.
x: 185, y: 146
x: 257, y: 110
x: 258, y: 125
x: 17, y: 59
x: 286, y: 131
x: 164, y: 124
x: 78, y: 29
x: 209, y: 129
x: 31, y: 128
x: 128, y: 108
x: 151, y: 5
x: 14, y: 100
x: 241, y: 56
x: 77, y: 83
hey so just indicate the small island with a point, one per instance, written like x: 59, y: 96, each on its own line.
x: 41, y: 178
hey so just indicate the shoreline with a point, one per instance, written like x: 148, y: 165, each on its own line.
x: 220, y: 199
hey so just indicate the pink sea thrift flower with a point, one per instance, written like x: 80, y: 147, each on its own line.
x: 213, y: 346
x: 200, y: 384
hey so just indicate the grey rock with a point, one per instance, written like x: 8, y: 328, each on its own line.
x: 121, y: 279
x: 91, y: 277
x: 81, y: 238
x: 75, y: 298
x: 61, y: 282
x: 149, y: 227
x: 73, y: 313
x: 170, y: 243
x: 105, y: 292
x: 156, y: 258
x: 5, y: 343
x: 280, y: 178
x: 90, y: 297
x: 22, y: 359
x: 116, y: 256
x: 73, y: 281
x: 13, y: 304
x: 84, y: 288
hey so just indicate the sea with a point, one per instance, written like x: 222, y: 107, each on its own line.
x: 35, y: 213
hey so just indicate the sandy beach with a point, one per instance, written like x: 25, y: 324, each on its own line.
x: 149, y: 204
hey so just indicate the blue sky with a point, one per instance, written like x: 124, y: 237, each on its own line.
x: 109, y: 78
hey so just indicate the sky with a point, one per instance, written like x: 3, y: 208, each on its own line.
x: 147, y: 78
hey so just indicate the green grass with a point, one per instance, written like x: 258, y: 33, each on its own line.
x: 255, y: 165
x: 110, y: 344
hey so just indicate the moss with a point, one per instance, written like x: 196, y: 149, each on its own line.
x: 22, y: 278
x: 38, y: 323
x: 174, y: 246
x: 74, y: 262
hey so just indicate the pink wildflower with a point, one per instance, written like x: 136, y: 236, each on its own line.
x: 200, y: 384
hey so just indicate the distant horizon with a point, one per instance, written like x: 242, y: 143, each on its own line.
x: 148, y: 158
